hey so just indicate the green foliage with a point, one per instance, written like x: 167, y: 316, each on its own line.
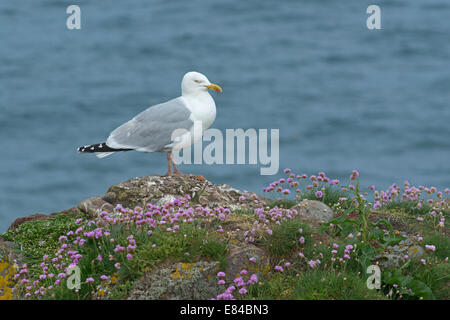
x: 435, y: 275
x: 331, y: 285
x: 275, y: 287
x: 409, y: 207
x: 372, y: 238
x: 315, y: 285
x: 440, y: 241
x: 407, y: 285
x: 189, y: 243
x: 39, y: 237
x: 120, y: 290
x: 284, y: 240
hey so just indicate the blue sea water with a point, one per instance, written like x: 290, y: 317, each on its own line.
x: 344, y: 97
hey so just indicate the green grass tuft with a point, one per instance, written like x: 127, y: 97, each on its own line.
x: 284, y: 240
x: 315, y: 285
x: 188, y: 244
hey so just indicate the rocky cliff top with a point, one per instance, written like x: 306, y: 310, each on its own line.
x: 183, y: 237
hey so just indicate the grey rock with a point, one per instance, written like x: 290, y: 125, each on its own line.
x: 394, y: 256
x: 314, y: 210
x: 93, y: 206
x: 416, y: 252
x: 179, y: 281
x: 159, y: 190
x: 11, y: 252
x: 238, y: 259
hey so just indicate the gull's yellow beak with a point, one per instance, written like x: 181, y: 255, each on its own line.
x: 214, y: 87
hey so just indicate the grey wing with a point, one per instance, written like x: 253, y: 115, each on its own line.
x: 151, y: 130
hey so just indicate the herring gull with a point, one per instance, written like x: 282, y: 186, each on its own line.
x: 167, y: 126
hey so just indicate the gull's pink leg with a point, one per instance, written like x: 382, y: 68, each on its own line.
x: 175, y: 170
x: 169, y: 159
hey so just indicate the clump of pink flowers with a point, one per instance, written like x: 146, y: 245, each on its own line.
x: 108, y: 244
x: 239, y: 286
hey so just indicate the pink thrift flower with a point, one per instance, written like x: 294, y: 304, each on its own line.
x: 279, y: 268
x: 242, y: 291
x: 355, y: 174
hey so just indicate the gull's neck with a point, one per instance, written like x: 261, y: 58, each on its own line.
x: 202, y: 106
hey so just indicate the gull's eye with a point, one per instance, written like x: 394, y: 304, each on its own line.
x: 198, y: 81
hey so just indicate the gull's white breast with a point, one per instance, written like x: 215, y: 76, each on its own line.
x: 203, y: 114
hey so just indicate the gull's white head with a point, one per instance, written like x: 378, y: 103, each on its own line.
x: 195, y: 82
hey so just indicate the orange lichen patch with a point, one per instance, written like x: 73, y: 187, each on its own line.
x: 183, y: 271
x: 201, y: 178
x: 7, y: 272
x: 114, y: 278
x: 186, y: 266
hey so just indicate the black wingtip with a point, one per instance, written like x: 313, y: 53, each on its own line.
x: 98, y: 147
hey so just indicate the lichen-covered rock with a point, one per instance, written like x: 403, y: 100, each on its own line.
x: 159, y: 190
x: 314, y: 210
x: 10, y: 251
x: 7, y: 272
x: 10, y: 260
x: 394, y: 256
x: 239, y: 258
x: 93, y: 206
x: 180, y: 281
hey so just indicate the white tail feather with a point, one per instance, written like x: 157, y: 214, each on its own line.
x: 103, y: 154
